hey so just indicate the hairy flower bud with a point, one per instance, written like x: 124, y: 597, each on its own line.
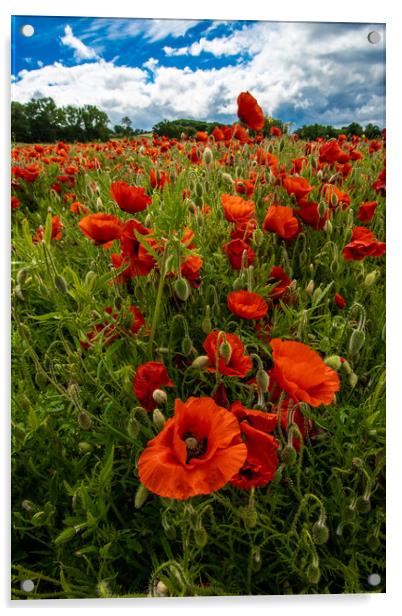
x: 60, y: 284
x: 140, y: 496
x: 160, y: 396
x: 320, y: 533
x: 310, y: 288
x: 84, y: 420
x: 225, y: 351
x: 182, y: 288
x: 289, y: 455
x: 207, y: 156
x: 158, y: 418
x: 333, y: 361
x: 200, y: 362
x: 356, y: 341
x: 262, y: 379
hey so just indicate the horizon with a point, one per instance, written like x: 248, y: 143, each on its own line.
x: 161, y: 69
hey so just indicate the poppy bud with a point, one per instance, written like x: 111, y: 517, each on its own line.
x: 238, y: 283
x: 316, y: 295
x: 200, y: 535
x: 353, y: 378
x: 158, y: 418
x: 328, y: 227
x: 182, y: 288
x: 227, y: 178
x: 19, y: 293
x: 258, y: 237
x: 84, y: 420
x: 85, y: 447
x: 320, y: 175
x: 207, y: 157
x: 262, y: 379
x: 321, y: 209
x: 333, y: 361
x: 356, y: 341
x: 140, y: 496
x: 103, y: 590
x: 22, y: 276
x: 334, y: 199
x: 159, y: 395
x: 161, y: 590
x: 249, y: 516
x: 225, y: 351
x: 310, y: 288
x: 206, y: 324
x: 73, y: 390
x: 198, y: 189
x: 371, y: 278
x: 186, y: 345
x: 346, y: 367
x: 313, y: 573
x: 289, y: 455
x: 320, y: 533
x: 28, y: 505
x: 278, y: 474
x: 60, y: 284
x: 363, y: 504
x: 90, y: 278
x: 99, y: 204
x: 201, y: 362
x: 133, y: 428
x: 65, y: 535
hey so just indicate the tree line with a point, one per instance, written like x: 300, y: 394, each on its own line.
x: 42, y: 121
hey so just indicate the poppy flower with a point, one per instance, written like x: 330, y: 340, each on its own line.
x: 110, y: 331
x: 249, y: 111
x: 243, y: 230
x: 30, y: 173
x: 366, y: 211
x: 331, y: 153
x: 275, y: 131
x: 15, y: 203
x: 148, y: 377
x: 197, y: 452
x: 78, y: 208
x: 130, y: 199
x: 302, y: 374
x: 283, y: 282
x: 264, y: 157
x: 262, y: 458
x: 190, y: 269
x: 57, y: 227
x: 101, y: 228
x: 281, y: 220
x: 234, y: 251
x: 244, y: 187
x: 201, y: 136
x: 297, y: 186
x: 247, y: 305
x: 363, y: 244
x: 380, y: 184
x: 308, y: 212
x: 238, y: 364
x: 340, y: 301
x: 236, y: 209
x: 158, y: 179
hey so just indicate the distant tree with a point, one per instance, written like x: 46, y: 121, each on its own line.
x: 372, y: 131
x: 353, y: 129
x: 20, y: 126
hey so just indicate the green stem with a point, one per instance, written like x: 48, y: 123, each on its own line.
x: 155, y: 319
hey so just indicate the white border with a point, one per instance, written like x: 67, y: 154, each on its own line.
x: 366, y: 11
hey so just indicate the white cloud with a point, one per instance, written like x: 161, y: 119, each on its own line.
x: 81, y: 51
x: 292, y: 69
x: 39, y: 63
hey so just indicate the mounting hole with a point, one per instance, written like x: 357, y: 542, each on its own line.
x: 27, y: 585
x: 374, y: 579
x: 27, y: 30
x: 374, y: 37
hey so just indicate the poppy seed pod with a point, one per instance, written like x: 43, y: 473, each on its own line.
x: 159, y: 395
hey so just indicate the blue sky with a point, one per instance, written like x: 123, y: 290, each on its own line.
x: 164, y: 69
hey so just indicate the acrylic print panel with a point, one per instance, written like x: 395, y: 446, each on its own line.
x: 198, y: 240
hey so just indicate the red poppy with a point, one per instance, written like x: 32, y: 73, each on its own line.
x: 158, y: 179
x: 302, y: 374
x: 380, y: 184
x: 281, y: 289
x: 130, y: 199
x: 366, y: 211
x: 249, y: 111
x: 238, y: 364
x: 101, y: 228
x: 275, y: 131
x: 236, y: 209
x: 234, y: 251
x: 109, y: 331
x: 78, y: 208
x: 197, y: 452
x: 148, y: 377
x: 363, y: 244
x: 262, y: 458
x: 190, y: 269
x: 331, y: 153
x: 281, y: 220
x: 201, y: 136
x: 15, y: 202
x: 247, y: 305
x: 243, y: 230
x: 244, y: 187
x: 30, y: 173
x: 308, y: 212
x: 340, y: 301
x: 218, y: 134
x: 57, y: 227
x: 297, y: 186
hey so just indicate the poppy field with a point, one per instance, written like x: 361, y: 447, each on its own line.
x: 198, y: 364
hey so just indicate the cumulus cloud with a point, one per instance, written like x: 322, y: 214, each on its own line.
x: 81, y: 51
x: 304, y: 73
